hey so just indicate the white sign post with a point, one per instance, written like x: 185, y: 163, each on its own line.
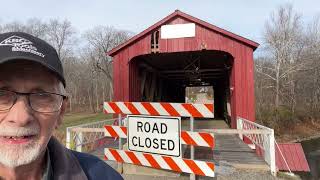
x: 154, y: 134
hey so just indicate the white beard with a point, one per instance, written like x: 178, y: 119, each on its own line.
x: 17, y: 155
x: 14, y: 155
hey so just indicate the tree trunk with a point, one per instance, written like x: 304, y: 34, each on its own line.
x: 97, y: 96
x: 70, y: 103
x: 277, y: 84
x: 89, y: 97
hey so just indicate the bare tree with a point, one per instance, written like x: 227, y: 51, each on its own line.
x: 32, y: 26
x: 283, y: 43
x: 100, y: 40
x: 13, y: 26
x: 287, y: 75
x: 309, y: 83
x: 61, y: 35
x: 36, y: 27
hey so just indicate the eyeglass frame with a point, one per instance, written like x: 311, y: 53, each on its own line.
x: 16, y: 94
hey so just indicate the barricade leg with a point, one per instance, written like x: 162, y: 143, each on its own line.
x: 120, y: 165
x: 192, y: 176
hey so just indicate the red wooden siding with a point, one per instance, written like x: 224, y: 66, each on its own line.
x: 294, y: 155
x: 127, y: 82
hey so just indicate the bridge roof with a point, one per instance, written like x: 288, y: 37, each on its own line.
x: 178, y: 13
x: 294, y: 155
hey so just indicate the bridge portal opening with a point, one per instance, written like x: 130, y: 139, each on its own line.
x: 199, y: 94
x: 164, y: 77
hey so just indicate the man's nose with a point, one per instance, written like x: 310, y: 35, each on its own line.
x: 21, y: 113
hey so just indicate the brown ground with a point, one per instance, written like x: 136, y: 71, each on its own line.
x: 298, y: 132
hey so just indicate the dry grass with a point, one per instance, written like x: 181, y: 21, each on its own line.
x: 77, y: 119
x: 298, y: 131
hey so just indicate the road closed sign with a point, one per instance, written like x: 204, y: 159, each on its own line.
x: 154, y: 134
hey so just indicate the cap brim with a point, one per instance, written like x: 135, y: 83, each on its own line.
x: 14, y: 58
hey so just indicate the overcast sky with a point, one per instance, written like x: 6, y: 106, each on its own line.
x: 243, y: 17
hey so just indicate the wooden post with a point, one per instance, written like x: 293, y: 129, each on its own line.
x: 272, y: 153
x: 240, y: 127
x: 68, y: 138
x: 152, y: 87
x: 79, y: 142
x: 143, y: 82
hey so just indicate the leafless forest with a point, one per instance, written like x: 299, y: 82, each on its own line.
x: 287, y: 75
x: 287, y: 69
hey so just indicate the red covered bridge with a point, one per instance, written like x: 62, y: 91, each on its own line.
x: 157, y: 65
x: 181, y: 51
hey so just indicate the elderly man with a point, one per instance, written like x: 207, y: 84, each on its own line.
x: 32, y: 104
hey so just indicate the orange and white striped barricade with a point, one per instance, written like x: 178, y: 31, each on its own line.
x: 159, y: 109
x: 167, y: 162
x: 161, y: 162
x: 189, y: 138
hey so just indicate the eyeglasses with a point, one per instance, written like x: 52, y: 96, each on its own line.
x: 44, y: 102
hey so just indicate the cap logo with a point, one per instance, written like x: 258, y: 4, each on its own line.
x: 20, y: 44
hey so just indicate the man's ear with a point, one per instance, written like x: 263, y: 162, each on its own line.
x: 62, y: 112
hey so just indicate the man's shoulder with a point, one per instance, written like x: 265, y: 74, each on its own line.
x: 95, y: 168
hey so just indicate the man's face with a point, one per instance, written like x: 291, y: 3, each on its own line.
x: 24, y: 133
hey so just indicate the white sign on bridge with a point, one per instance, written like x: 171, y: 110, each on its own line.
x: 154, y: 134
x: 172, y: 31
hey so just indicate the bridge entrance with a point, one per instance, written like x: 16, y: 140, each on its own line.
x: 164, y: 77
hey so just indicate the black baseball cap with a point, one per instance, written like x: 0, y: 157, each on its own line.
x: 20, y: 45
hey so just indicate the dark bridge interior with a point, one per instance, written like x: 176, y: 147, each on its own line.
x: 164, y: 76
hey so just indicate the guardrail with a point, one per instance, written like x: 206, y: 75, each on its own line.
x: 264, y: 142
x: 86, y: 134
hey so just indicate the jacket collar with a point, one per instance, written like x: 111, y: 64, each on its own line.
x: 64, y: 164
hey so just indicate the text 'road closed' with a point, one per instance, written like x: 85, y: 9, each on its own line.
x: 159, y: 135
